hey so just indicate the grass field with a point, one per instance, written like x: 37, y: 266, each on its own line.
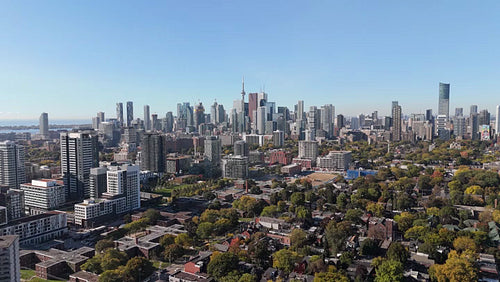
x: 29, y: 275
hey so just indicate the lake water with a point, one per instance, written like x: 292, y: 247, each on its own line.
x: 35, y: 123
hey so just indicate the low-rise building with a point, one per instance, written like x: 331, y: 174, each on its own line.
x: 37, y: 229
x: 335, y: 160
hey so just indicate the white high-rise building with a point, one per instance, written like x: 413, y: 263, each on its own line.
x: 261, y: 120
x: 308, y: 150
x: 43, y: 195
x: 10, y: 267
x: 12, y: 170
x: 124, y: 180
x: 213, y: 150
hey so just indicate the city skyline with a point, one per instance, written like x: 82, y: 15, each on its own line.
x: 161, y: 54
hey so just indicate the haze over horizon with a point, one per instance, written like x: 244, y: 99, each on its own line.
x: 73, y: 59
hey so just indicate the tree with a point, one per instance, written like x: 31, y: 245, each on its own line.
x: 285, y: 260
x: 222, y: 263
x: 173, y: 252
x: 183, y: 239
x: 152, y: 216
x: 298, y: 199
x: 112, y: 259
x: 398, y: 252
x: 270, y: 211
x: 456, y: 268
x: 302, y: 213
x: 205, y: 230
x: 138, y: 268
x: 298, y: 238
x: 330, y: 276
x: 462, y: 244
x: 247, y: 277
x: 376, y: 209
x: 167, y: 239
x: 369, y: 247
x: 353, y: 215
x: 259, y: 251
x: 404, y: 220
x: 93, y: 265
x: 341, y: 200
x: 111, y: 276
x: 389, y: 271
x: 103, y: 245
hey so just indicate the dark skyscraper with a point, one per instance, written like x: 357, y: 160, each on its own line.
x: 79, y: 154
x: 473, y: 109
x: 428, y: 115
x: 396, y: 121
x: 130, y: 113
x: 153, y: 152
x: 444, y: 100
x: 119, y: 113
x: 147, y: 119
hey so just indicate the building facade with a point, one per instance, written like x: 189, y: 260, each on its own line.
x: 43, y: 195
x: 12, y: 169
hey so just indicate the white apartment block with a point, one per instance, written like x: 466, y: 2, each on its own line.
x: 335, y: 160
x: 43, y: 195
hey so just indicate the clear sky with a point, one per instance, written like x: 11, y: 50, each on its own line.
x: 75, y: 58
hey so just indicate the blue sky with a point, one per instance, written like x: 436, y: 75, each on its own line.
x: 75, y: 58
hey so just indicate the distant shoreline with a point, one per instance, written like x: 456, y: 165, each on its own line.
x: 51, y: 126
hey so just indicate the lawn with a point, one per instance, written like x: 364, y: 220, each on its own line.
x: 29, y: 275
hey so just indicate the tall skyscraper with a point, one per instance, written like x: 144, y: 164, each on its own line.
x: 261, y: 120
x: 147, y: 119
x: 10, y: 266
x: 300, y: 110
x: 473, y: 109
x: 396, y: 121
x: 497, y: 120
x: 44, y: 125
x: 484, y: 117
x: 12, y: 170
x: 459, y: 126
x: 78, y: 155
x: 130, y: 113
x: 444, y: 100
x: 199, y: 115
x: 428, y: 115
x: 252, y: 105
x: 119, y: 113
x: 101, y: 117
x: 169, y: 122
x: 327, y: 119
x: 213, y: 150
x: 153, y: 152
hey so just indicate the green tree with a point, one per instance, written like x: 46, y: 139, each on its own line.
x: 247, y: 277
x: 205, y: 230
x: 285, y: 260
x: 167, y: 239
x: 103, y: 245
x: 183, y: 239
x: 298, y: 199
x: 115, y: 275
x: 398, y: 252
x: 354, y: 215
x: 112, y: 259
x: 463, y: 243
x: 173, y: 252
x: 93, y: 265
x: 138, y: 268
x: 389, y: 271
x: 222, y: 263
x: 457, y: 268
x: 270, y: 211
x: 298, y: 238
x: 152, y: 216
x: 369, y: 247
x: 330, y: 276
